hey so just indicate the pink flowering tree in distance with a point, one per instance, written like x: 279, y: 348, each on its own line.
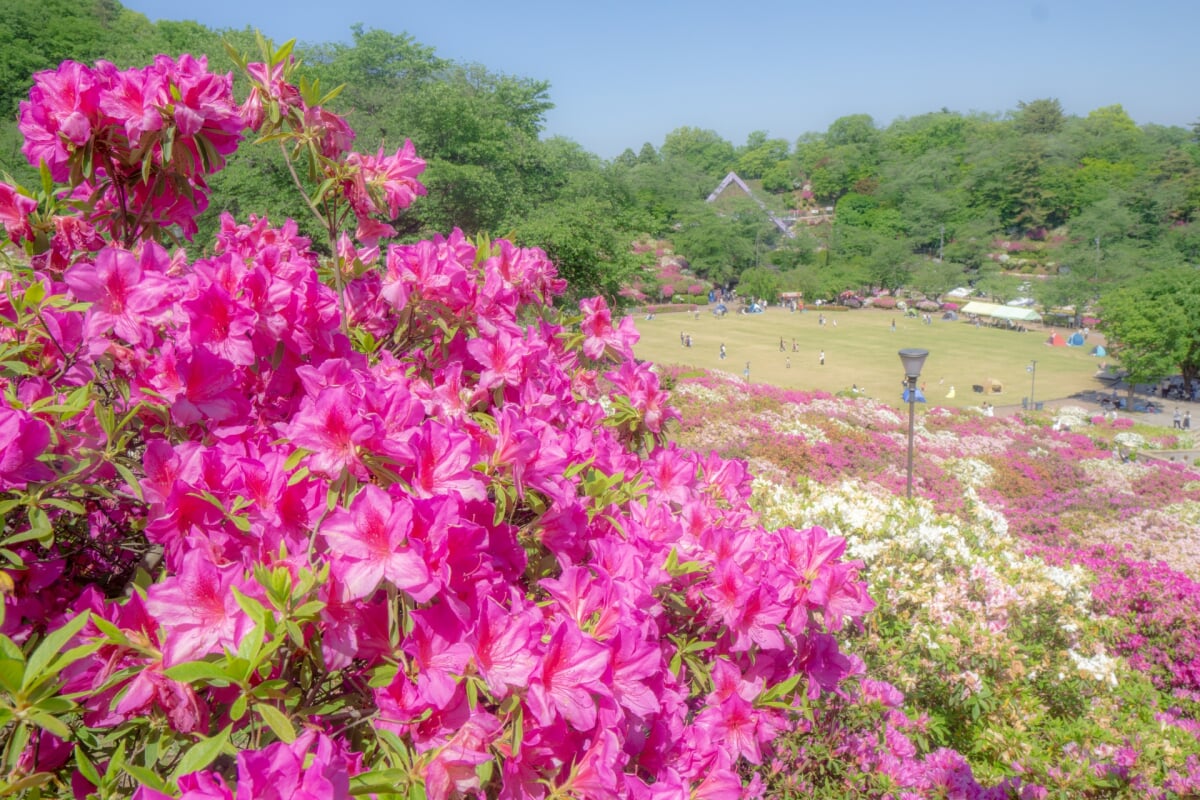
x: 383, y: 522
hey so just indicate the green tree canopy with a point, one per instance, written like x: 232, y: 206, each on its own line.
x: 1153, y: 325
x: 702, y: 150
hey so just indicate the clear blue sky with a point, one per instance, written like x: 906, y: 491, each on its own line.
x: 622, y: 73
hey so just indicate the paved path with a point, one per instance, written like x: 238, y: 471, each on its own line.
x: 1165, y: 418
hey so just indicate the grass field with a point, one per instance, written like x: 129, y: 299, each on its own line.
x: 862, y: 350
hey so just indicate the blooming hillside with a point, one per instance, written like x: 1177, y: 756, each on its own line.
x: 339, y: 520
x: 1037, y: 604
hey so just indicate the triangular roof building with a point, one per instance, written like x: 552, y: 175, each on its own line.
x: 732, y: 179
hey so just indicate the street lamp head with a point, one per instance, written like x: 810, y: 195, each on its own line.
x: 913, y: 359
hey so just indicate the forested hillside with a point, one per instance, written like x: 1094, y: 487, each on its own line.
x: 926, y: 202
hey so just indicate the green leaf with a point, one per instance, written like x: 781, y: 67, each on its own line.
x: 285, y: 50
x: 26, y: 535
x: 331, y: 95
x: 86, y: 768
x: 28, y: 782
x: 238, y: 709
x: 309, y: 609
x: 298, y: 476
x: 47, y: 180
x: 11, y: 673
x: 51, y: 723
x: 252, y: 607
x: 115, y: 635
x: 66, y: 505
x: 202, y: 753
x: 39, y: 525
x: 278, y: 722
x: 295, y: 458
x: 148, y: 777
x: 49, y: 649
x: 518, y: 732
x: 129, y: 478
x: 34, y: 293
x: 194, y: 671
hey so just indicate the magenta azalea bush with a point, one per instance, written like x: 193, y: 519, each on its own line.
x: 380, y: 522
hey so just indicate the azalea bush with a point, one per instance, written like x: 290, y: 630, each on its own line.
x: 297, y: 519
x: 1027, y: 622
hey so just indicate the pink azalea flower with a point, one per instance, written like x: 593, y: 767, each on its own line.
x: 313, y: 767
x: 501, y: 646
x: 269, y: 84
x: 333, y: 136
x: 15, y: 209
x: 503, y: 358
x: 197, y: 609
x: 193, y: 786
x: 199, y: 386
x: 718, y: 784
x: 636, y: 663
x: 125, y: 297
x: 222, y: 325
x: 135, y: 98
x: 370, y: 543
x: 572, y: 669
x: 352, y: 629
x: 334, y: 428
x: 638, y: 382
x: 594, y: 776
x: 370, y: 231
x: 839, y: 593
x: 150, y: 689
x: 23, y: 437
x: 599, y: 333
x: 59, y: 116
x: 394, y: 176
x: 823, y: 663
x: 440, y: 460
x: 453, y: 771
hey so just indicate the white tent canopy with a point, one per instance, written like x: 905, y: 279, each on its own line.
x: 1001, y: 312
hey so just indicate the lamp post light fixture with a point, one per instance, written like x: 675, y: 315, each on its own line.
x: 1032, y: 370
x: 912, y: 359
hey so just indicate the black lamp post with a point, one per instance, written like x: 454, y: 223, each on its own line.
x: 913, y: 360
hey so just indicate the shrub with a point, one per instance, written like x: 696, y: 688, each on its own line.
x: 383, y: 523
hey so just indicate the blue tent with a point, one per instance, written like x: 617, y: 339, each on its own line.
x: 1099, y: 350
x: 1076, y: 340
x: 918, y: 395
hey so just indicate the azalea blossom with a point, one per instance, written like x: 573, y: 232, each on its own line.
x: 369, y: 543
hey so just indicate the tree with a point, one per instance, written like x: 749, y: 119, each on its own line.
x: 779, y: 178
x: 703, y: 150
x: 890, y: 264
x: 1153, y: 325
x: 721, y: 246
x: 648, y: 155
x: 969, y: 242
x: 760, y: 155
x: 1040, y: 116
x: 996, y: 285
x: 934, y: 278
x: 586, y: 242
x: 1108, y: 133
x: 627, y: 159
x: 759, y: 283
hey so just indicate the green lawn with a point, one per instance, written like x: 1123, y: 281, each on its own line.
x: 862, y: 350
